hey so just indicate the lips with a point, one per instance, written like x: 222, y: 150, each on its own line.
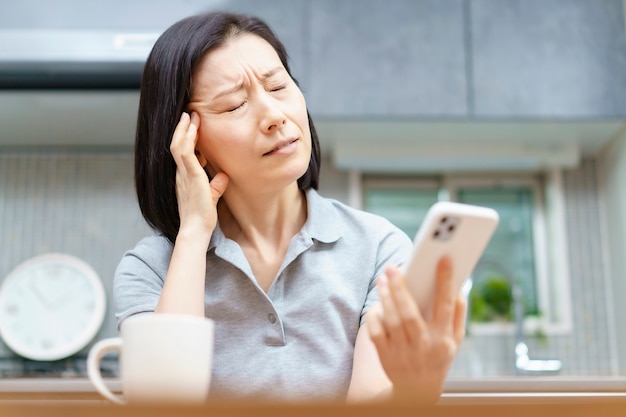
x: 282, y: 144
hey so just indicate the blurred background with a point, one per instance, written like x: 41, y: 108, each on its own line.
x: 519, y: 105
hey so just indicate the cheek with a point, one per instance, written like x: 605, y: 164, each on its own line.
x: 300, y: 102
x: 208, y: 147
x: 304, y: 121
x: 218, y: 143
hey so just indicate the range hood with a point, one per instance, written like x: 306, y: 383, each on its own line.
x: 72, y: 59
x: 70, y: 87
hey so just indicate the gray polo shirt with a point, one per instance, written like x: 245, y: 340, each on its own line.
x: 297, y: 341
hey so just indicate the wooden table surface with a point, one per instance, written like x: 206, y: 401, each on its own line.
x: 60, y: 406
x: 68, y: 398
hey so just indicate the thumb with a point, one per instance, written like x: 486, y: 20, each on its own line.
x: 219, y: 184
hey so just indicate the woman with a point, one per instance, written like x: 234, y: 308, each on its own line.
x: 305, y: 292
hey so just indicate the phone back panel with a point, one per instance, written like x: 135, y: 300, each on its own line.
x: 460, y: 231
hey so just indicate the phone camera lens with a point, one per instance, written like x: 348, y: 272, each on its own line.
x: 444, y: 219
x: 436, y: 234
x: 451, y: 228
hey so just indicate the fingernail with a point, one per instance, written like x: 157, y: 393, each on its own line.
x: 382, y: 281
x: 392, y: 273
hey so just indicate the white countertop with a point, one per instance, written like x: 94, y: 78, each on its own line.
x: 547, y: 384
x: 484, y: 391
x: 521, y: 384
x: 54, y: 385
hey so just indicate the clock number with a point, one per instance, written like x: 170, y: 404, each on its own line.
x: 12, y: 310
x: 47, y: 344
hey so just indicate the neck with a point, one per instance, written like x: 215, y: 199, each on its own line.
x: 263, y: 219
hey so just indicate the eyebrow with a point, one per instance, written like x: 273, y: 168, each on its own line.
x: 239, y: 85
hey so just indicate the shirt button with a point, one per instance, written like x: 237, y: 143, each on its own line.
x: 271, y: 318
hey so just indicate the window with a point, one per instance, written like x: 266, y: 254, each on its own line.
x: 509, y: 258
x: 516, y: 254
x: 406, y: 208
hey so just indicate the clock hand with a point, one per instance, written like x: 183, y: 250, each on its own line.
x: 60, y: 300
x: 39, y: 295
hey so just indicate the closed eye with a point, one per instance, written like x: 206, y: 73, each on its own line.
x: 280, y: 87
x: 236, y: 107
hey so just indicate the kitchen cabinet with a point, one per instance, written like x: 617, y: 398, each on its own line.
x: 425, y: 59
x: 548, y: 58
x: 479, y: 59
x: 387, y: 59
x: 288, y: 18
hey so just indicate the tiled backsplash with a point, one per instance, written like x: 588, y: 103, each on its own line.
x: 78, y: 203
x: 83, y: 203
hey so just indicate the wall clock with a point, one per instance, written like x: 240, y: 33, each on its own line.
x: 51, y: 307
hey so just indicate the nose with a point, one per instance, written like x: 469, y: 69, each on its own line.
x: 272, y: 117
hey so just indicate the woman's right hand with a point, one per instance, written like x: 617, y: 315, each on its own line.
x: 197, y: 196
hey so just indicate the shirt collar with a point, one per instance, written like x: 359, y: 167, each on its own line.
x: 321, y: 223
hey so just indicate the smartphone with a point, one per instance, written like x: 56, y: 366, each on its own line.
x: 459, y: 231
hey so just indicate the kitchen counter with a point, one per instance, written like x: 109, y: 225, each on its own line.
x: 485, y: 397
x: 501, y: 388
x: 483, y: 391
x: 521, y: 384
x: 545, y: 384
x: 53, y: 389
x: 535, y: 389
x: 60, y: 385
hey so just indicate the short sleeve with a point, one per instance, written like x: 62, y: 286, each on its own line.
x: 394, y: 248
x: 139, y: 277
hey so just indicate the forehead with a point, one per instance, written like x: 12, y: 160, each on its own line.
x: 229, y: 63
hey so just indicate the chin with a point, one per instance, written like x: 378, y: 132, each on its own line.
x: 297, y: 172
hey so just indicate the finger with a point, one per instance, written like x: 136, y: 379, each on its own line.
x: 375, y: 328
x: 188, y: 145
x: 412, y: 321
x: 390, y: 317
x: 195, y: 120
x: 178, y: 138
x: 218, y: 185
x: 460, y: 317
x: 192, y: 131
x: 445, y: 295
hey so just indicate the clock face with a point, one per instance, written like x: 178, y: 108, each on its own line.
x: 51, y: 307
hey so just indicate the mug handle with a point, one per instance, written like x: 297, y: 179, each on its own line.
x: 94, y: 358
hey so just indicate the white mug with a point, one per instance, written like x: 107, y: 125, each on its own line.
x: 162, y: 358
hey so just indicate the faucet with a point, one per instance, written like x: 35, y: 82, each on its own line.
x: 523, y: 364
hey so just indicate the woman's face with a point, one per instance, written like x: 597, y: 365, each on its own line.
x: 254, y: 124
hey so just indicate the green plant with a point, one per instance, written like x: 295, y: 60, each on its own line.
x: 491, y: 300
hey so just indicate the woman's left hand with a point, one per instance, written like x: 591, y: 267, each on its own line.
x: 416, y: 354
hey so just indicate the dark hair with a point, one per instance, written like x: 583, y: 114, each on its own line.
x: 165, y: 93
